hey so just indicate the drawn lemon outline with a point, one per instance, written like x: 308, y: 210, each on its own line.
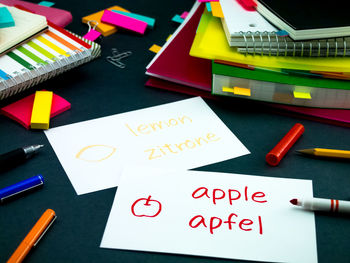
x: 79, y: 154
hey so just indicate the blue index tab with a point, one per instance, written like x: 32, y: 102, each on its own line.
x: 207, y: 4
x: 177, y: 19
x: 21, y: 187
x: 4, y: 75
x: 46, y: 3
x: 6, y: 19
x: 149, y: 20
x: 282, y: 33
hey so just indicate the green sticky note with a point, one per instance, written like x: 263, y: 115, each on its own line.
x: 150, y: 21
x: 6, y: 19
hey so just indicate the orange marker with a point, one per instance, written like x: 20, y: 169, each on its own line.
x: 276, y: 154
x: 34, y: 236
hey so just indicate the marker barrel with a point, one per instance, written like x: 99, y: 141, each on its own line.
x: 274, y: 157
x: 21, y: 187
x: 327, y: 205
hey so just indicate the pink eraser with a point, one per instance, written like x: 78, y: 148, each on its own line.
x: 184, y: 15
x: 124, y: 21
x: 92, y: 35
x: 21, y: 110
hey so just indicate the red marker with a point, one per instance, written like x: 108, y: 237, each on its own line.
x: 276, y: 154
x: 320, y: 204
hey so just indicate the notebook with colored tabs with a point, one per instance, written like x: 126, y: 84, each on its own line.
x: 45, y: 56
x: 104, y: 28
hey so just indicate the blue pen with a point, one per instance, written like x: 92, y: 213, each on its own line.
x: 20, y: 187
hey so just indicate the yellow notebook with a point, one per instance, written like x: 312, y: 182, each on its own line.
x: 210, y: 43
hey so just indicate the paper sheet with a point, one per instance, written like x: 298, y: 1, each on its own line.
x: 211, y: 214
x: 183, y: 135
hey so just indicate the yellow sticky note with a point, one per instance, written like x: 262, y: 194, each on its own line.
x: 302, y: 95
x: 155, y: 48
x: 41, y: 110
x: 104, y: 28
x: 227, y: 89
x: 216, y: 9
x: 241, y: 91
x: 169, y: 37
x: 237, y: 90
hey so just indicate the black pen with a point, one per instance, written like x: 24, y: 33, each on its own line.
x: 17, y: 156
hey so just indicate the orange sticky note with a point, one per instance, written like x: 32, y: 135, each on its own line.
x: 41, y: 110
x: 216, y: 9
x: 104, y: 28
x: 155, y: 48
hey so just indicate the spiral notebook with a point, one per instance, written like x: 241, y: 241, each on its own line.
x: 310, y: 19
x: 42, y: 58
x: 253, y: 34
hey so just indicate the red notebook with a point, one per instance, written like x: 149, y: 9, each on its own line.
x: 173, y: 62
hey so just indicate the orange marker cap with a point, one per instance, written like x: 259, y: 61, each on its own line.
x: 274, y: 157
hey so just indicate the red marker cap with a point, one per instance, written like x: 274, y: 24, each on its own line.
x: 274, y: 157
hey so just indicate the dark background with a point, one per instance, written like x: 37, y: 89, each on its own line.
x: 99, y: 89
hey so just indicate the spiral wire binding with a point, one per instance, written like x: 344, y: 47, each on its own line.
x: 254, y: 44
x: 20, y: 81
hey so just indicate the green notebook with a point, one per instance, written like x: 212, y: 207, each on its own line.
x: 280, y: 87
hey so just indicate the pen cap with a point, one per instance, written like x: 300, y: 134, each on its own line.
x: 274, y: 157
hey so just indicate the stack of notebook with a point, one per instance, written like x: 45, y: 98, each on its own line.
x: 184, y: 64
x: 287, y: 30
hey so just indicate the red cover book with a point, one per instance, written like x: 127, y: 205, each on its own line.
x: 173, y: 62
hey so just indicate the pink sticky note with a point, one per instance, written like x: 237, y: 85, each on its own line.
x: 92, y: 35
x: 201, y: 1
x: 124, y: 21
x: 184, y: 15
x: 21, y: 110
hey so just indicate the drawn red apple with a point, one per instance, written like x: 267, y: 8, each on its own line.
x: 146, y: 207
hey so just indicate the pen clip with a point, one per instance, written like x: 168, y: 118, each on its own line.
x: 44, y: 232
x: 22, y: 191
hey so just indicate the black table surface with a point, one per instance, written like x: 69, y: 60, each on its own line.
x: 99, y: 89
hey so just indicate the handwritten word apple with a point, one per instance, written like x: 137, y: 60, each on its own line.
x: 146, y: 207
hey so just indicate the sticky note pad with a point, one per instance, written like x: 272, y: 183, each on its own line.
x: 149, y: 20
x: 104, y: 28
x: 41, y: 110
x: 46, y: 3
x: 216, y: 9
x: 124, y: 21
x: 201, y: 1
x: 6, y: 19
x: 155, y: 48
x: 21, y: 110
x: 302, y: 95
x: 177, y: 19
